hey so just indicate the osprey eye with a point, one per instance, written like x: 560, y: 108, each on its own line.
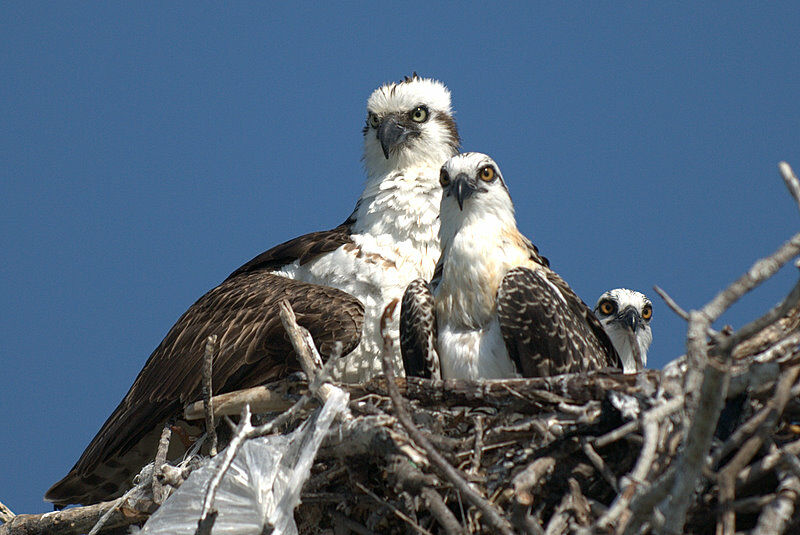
x: 420, y: 114
x: 487, y: 173
x: 373, y: 120
x: 607, y: 308
x: 444, y: 178
x: 647, y: 312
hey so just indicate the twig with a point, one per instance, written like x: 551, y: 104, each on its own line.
x: 727, y: 475
x: 766, y: 465
x: 599, y: 464
x: 260, y: 398
x: 776, y: 516
x: 160, y: 460
x: 490, y: 512
x: 350, y: 524
x: 306, y: 351
x: 671, y: 303
x: 708, y: 406
x: 5, y: 513
x: 208, y: 515
x: 395, y: 510
x: 790, y: 179
x: 478, y: 449
x: 761, y: 271
x: 116, y: 506
x: 776, y: 313
x: 765, y: 418
x: 412, y: 480
x: 657, y: 413
x: 212, y: 346
x: 619, y: 509
x: 644, y: 501
x: 528, y: 478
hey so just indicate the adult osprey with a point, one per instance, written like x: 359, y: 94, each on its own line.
x: 625, y: 315
x: 494, y: 308
x: 338, y: 282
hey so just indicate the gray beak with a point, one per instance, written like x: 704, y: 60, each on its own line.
x: 391, y: 133
x: 463, y: 188
x: 630, y: 318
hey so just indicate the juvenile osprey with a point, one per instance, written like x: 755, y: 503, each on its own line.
x: 494, y: 308
x: 625, y: 315
x: 338, y: 282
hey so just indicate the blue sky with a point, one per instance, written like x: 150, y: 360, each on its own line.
x: 148, y: 150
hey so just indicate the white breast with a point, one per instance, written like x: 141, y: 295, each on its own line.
x: 470, y: 343
x: 474, y: 353
x: 395, y: 241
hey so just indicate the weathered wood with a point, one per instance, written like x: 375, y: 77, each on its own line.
x: 72, y: 521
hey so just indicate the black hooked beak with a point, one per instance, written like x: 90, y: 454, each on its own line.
x: 630, y: 318
x: 464, y: 189
x: 390, y: 134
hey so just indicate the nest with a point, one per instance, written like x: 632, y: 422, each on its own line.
x: 559, y: 454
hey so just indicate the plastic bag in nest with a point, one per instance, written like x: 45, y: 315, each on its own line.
x: 260, y: 489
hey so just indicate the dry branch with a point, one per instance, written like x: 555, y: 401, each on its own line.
x: 71, y: 521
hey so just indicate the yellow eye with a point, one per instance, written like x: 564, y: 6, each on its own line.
x: 444, y: 178
x: 487, y: 173
x: 607, y: 307
x: 647, y: 312
x: 420, y: 114
x: 373, y: 120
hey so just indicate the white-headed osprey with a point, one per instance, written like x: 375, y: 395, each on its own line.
x: 625, y: 315
x: 338, y: 282
x: 494, y: 308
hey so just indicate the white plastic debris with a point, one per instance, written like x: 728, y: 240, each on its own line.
x: 260, y: 489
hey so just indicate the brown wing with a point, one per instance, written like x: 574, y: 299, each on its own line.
x: 544, y: 334
x: 243, y: 312
x: 303, y: 248
x: 418, y: 331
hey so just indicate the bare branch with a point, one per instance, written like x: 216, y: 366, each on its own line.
x: 400, y: 514
x: 208, y: 515
x: 671, y: 303
x: 761, y: 271
x: 777, y: 516
x: 790, y: 179
x: 260, y: 398
x: 779, y: 311
x: 69, y: 521
x: 212, y: 347
x: 160, y: 460
x: 5, y: 513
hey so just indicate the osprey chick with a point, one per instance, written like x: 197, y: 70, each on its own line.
x: 338, y: 282
x: 494, y: 308
x: 625, y: 315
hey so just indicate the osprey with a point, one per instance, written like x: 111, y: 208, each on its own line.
x: 494, y: 308
x: 625, y: 315
x: 338, y: 282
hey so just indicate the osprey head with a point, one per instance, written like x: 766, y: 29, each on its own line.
x: 472, y: 174
x: 409, y: 122
x: 625, y: 315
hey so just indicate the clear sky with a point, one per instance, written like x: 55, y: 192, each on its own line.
x: 148, y: 150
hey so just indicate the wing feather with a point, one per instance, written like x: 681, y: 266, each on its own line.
x: 418, y: 331
x: 547, y: 329
x: 254, y: 348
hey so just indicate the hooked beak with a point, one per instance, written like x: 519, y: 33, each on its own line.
x: 629, y: 318
x: 464, y: 189
x: 390, y: 134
